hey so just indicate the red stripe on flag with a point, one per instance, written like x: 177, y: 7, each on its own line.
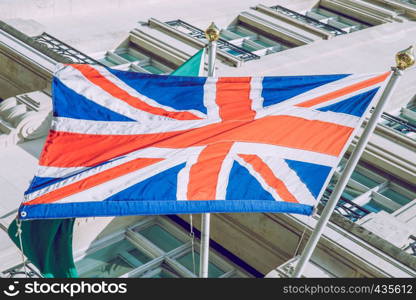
x: 288, y: 131
x: 233, y: 98
x: 94, y: 180
x: 203, y: 176
x: 96, y: 78
x: 267, y: 174
x: 344, y: 91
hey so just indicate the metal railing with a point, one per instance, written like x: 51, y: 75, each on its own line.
x: 408, y: 127
x: 222, y: 44
x: 346, y: 208
x: 411, y: 246
x: 308, y: 20
x: 65, y: 50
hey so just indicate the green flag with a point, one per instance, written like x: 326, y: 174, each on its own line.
x: 193, y: 66
x: 48, y: 243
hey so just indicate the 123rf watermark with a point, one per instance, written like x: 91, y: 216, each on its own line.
x: 71, y: 289
x: 372, y: 289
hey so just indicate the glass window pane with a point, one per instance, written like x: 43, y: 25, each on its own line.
x: 161, y: 238
x: 411, y: 2
x: 233, y: 52
x: 395, y: 196
x: 187, y: 261
x: 159, y: 272
x: 108, y: 62
x: 316, y: 16
x: 152, y: 69
x: 129, y: 56
x: 336, y: 20
x: 350, y: 194
x: 143, y: 258
x: 238, y: 32
x: 351, y: 191
x: 357, y: 176
x: 109, y: 261
x: 262, y: 43
x: 113, y: 268
x: 324, y: 12
x: 164, y: 274
x: 375, y: 207
x: 248, y: 47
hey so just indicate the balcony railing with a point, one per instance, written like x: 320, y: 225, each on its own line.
x: 406, y: 126
x: 65, y: 50
x: 346, y: 208
x: 222, y: 44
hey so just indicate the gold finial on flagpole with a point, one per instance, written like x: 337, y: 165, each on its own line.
x: 212, y: 33
x: 405, y: 58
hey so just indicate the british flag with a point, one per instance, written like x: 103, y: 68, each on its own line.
x: 126, y: 143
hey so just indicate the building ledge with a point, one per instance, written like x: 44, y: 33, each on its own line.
x: 373, y: 239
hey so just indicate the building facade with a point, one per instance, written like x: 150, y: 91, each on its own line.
x: 373, y: 230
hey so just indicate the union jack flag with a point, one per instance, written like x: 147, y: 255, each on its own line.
x: 125, y: 143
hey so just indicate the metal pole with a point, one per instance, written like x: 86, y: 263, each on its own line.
x: 204, y: 257
x: 212, y: 52
x: 351, y: 164
x: 212, y: 34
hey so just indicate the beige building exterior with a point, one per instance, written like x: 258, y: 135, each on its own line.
x: 373, y: 230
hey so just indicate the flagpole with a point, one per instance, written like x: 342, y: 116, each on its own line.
x: 212, y: 34
x: 404, y: 60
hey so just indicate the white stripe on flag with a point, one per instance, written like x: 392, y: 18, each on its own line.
x: 309, y: 114
x: 291, y: 180
x: 256, y: 88
x: 123, y: 128
x: 264, y: 150
x: 210, y: 96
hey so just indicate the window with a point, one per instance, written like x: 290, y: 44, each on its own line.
x: 368, y: 192
x: 404, y: 123
x: 251, y: 41
x: 112, y: 261
x: 230, y: 42
x: 327, y: 19
x: 336, y: 19
x: 131, y: 58
x: 155, y: 248
x: 410, y: 2
x: 283, y: 11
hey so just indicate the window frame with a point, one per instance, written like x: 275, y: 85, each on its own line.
x: 163, y: 260
x: 127, y: 65
x: 374, y: 193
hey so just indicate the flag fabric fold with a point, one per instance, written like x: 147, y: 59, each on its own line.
x: 194, y: 66
x: 48, y: 246
x: 125, y: 143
